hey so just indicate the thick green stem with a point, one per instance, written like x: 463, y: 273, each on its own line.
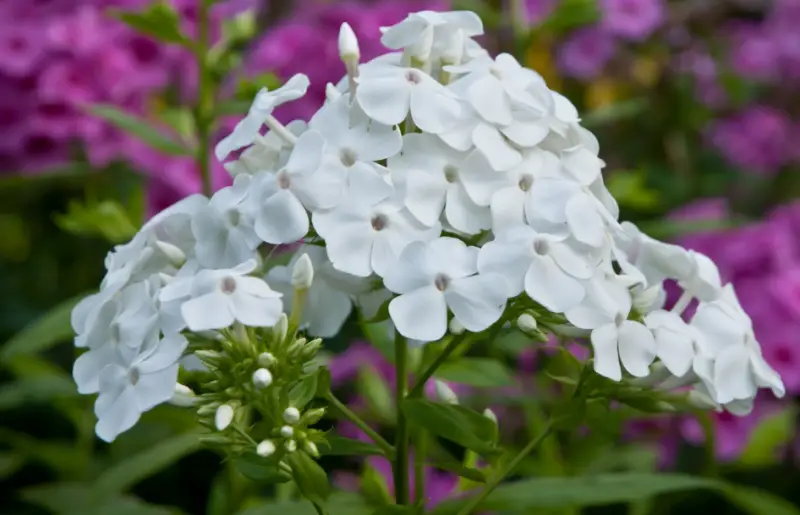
x: 420, y: 451
x: 508, y: 469
x: 419, y: 384
x: 401, y: 432
x: 385, y: 446
x: 205, y: 106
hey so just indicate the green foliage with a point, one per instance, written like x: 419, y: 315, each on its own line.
x: 311, y: 479
x: 158, y: 20
x: 768, y: 438
x: 458, y: 424
x: 140, y: 128
x: 50, y: 329
x: 479, y: 372
x: 341, y: 446
x: 106, y: 218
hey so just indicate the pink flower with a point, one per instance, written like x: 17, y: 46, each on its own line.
x: 632, y: 19
x: 586, y: 52
x: 21, y: 48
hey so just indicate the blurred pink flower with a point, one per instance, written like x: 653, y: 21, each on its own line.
x: 632, y: 19
x: 585, y: 52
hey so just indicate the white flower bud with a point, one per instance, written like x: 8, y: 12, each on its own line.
x: 302, y: 273
x: 290, y: 445
x: 331, y: 93
x: 175, y: 256
x: 645, y: 300
x: 420, y: 50
x: 266, y: 359
x: 702, y: 400
x: 454, y: 48
x: 182, y: 396
x: 281, y: 327
x: 287, y: 431
x: 262, y: 378
x: 265, y: 449
x: 444, y: 393
x: 223, y: 417
x: 526, y: 323
x: 348, y: 44
x: 165, y: 278
x: 291, y: 415
x: 456, y: 327
x: 488, y: 413
x: 311, y: 448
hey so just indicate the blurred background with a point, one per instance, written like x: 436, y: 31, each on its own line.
x: 694, y: 102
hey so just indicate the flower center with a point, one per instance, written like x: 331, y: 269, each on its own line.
x: 234, y: 217
x: 541, y: 246
x: 348, y: 157
x: 413, y: 77
x: 497, y: 72
x: 619, y: 319
x: 228, y: 285
x: 450, y: 173
x: 379, y: 222
x: 525, y: 182
x: 441, y: 282
x: 284, y: 180
x: 133, y: 375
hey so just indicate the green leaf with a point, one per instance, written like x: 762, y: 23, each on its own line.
x: 380, y: 335
x: 131, y: 471
x: 570, y: 14
x: 63, y: 457
x: 631, y: 191
x: 376, y: 392
x: 478, y: 372
x: 249, y: 87
x: 460, y: 470
x: 108, y: 219
x: 140, y: 128
x: 302, y: 393
x: 563, y: 367
x: 392, y: 509
x: 80, y: 499
x: 458, y: 424
x: 758, y: 502
x: 36, y: 390
x: 767, y: 438
x: 323, y: 382
x: 343, y: 503
x: 48, y: 330
x: 182, y: 122
x: 597, y: 490
x: 159, y: 20
x: 618, y: 111
x: 9, y: 464
x: 259, y: 469
x: 341, y: 446
x: 311, y: 479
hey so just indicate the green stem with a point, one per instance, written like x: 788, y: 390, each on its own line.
x: 420, y: 451
x: 319, y: 509
x: 710, y: 443
x: 401, y: 432
x: 508, y: 469
x: 205, y: 107
x: 385, y: 446
x: 419, y: 384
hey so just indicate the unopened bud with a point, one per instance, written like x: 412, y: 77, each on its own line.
x: 287, y: 431
x: 223, y: 417
x: 291, y: 415
x: 348, y: 44
x: 311, y: 449
x: 454, y: 48
x: 488, y: 413
x: 207, y: 409
x: 280, y: 328
x: 456, y: 327
x: 331, y: 93
x: 420, y: 50
x: 444, y: 393
x: 262, y: 378
x: 165, y: 278
x: 310, y: 349
x: 303, y: 273
x: 313, y: 416
x: 526, y: 323
x: 207, y: 355
x: 266, y: 359
x: 702, y: 400
x: 182, y: 396
x: 290, y: 445
x: 645, y: 300
x: 265, y: 449
x: 174, y: 255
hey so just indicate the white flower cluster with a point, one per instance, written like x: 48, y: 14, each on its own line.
x: 448, y: 183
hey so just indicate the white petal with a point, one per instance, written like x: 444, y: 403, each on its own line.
x: 718, y: 330
x: 257, y: 287
x: 425, y: 195
x: 584, y: 221
x: 637, y: 348
x: 255, y: 311
x: 488, y: 98
x: 498, y: 152
x: 733, y: 378
x: 412, y: 271
x: 420, y: 314
x: 326, y: 310
x: 551, y: 287
x: 525, y: 134
x: 571, y: 262
x: 675, y: 350
x: 379, y: 142
x: 479, y: 179
x: 548, y: 197
x: 242, y: 135
x: 765, y: 376
x: 384, y: 99
x: 119, y: 415
x: 433, y: 109
x: 582, y: 164
x: 156, y: 388
x: 587, y: 316
x: 350, y: 250
x: 282, y: 219
x: 168, y: 351
x: 321, y: 190
x: 86, y: 369
x: 508, y: 261
x: 209, y: 311
x: 478, y: 301
x: 452, y: 257
x: 463, y: 214
x: 507, y: 208
x: 606, y: 357
x: 307, y: 153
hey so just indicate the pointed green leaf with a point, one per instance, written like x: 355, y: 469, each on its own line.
x: 36, y: 390
x: 51, y: 328
x: 341, y: 446
x: 259, y: 469
x: 302, y: 393
x: 311, y: 479
x: 460, y: 470
x: 768, y: 437
x: 108, y: 219
x: 478, y: 372
x: 376, y: 392
x: 159, y: 20
x: 140, y: 128
x: 758, y: 502
x: 455, y: 423
x: 343, y: 503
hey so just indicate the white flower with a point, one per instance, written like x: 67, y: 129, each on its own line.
x: 328, y: 303
x: 265, y: 448
x: 128, y: 391
x: 438, y: 178
x: 703, y: 281
x: 510, y: 204
x: 268, y: 152
x: 614, y: 338
x: 291, y: 415
x: 220, y: 297
x: 223, y: 417
x: 444, y: 393
x: 542, y: 265
x: 388, y: 93
x: 224, y: 228
x: 410, y: 30
x: 363, y: 237
x: 265, y: 102
x: 736, y: 365
x: 354, y: 143
x: 432, y: 277
x: 262, y: 378
x: 654, y: 259
x: 675, y: 341
x: 281, y: 198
